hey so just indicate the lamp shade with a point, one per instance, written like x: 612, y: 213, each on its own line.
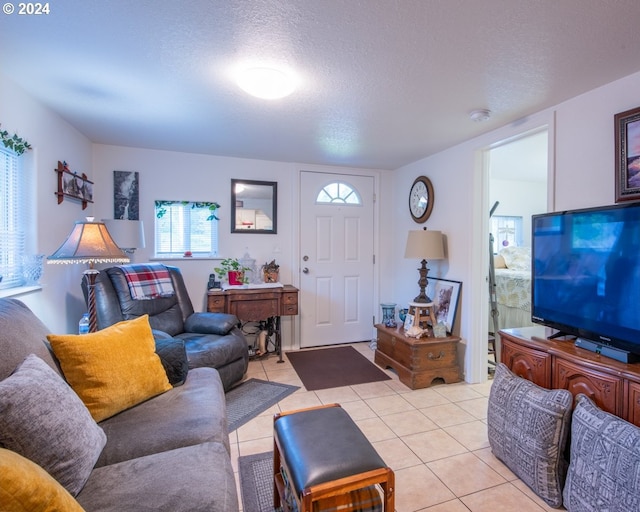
x: 127, y: 234
x: 88, y: 242
x: 424, y: 245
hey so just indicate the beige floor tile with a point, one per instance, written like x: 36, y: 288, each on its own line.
x: 449, y: 506
x: 358, y: 410
x: 396, y: 454
x: 457, y: 392
x: 465, y: 474
x: 503, y: 498
x: 337, y: 395
x: 257, y: 428
x: 285, y: 376
x: 422, y: 398
x: 375, y: 429
x: 408, y: 422
x: 476, y: 407
x: 256, y: 446
x: 392, y: 404
x: 373, y: 389
x: 447, y: 415
x: 483, y: 388
x: 498, y: 466
x: 417, y: 488
x: 433, y: 445
x: 299, y: 400
x: 473, y: 435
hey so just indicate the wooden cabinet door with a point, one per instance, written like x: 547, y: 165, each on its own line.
x: 633, y: 403
x: 527, y: 363
x: 604, y: 389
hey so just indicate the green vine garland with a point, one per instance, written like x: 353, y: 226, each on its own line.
x: 15, y: 143
x: 212, y: 207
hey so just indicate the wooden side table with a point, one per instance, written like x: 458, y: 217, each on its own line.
x: 418, y: 361
x: 257, y: 305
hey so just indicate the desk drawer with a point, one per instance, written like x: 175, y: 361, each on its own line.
x: 215, y: 304
x: 255, y: 310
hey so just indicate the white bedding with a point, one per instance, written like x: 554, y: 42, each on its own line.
x: 513, y: 289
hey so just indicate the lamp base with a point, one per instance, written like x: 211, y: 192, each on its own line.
x: 91, y: 274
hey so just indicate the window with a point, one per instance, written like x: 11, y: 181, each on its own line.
x: 186, y: 226
x: 338, y: 192
x: 15, y: 217
x: 506, y: 231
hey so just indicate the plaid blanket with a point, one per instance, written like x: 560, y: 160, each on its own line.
x: 148, y: 281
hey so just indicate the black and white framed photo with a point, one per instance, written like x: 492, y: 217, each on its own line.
x: 445, y: 295
x: 126, y: 201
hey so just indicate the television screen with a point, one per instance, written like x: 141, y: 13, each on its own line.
x: 586, y: 274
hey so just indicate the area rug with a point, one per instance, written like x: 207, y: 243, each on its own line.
x: 334, y: 367
x: 256, y: 482
x: 253, y: 397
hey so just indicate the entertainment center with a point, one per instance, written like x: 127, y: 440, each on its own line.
x: 560, y: 364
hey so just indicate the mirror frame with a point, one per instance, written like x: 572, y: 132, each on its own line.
x: 274, y: 206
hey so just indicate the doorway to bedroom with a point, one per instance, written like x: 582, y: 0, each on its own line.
x: 518, y: 188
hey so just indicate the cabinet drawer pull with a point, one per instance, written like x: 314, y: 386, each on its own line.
x: 435, y: 358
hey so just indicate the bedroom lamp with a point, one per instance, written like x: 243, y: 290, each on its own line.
x: 424, y: 245
x: 89, y: 242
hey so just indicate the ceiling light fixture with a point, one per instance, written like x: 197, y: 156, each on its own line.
x: 266, y: 83
x: 480, y: 115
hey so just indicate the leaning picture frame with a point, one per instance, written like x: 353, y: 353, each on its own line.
x: 627, y: 139
x: 445, y: 295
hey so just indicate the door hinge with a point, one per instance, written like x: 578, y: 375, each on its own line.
x: 374, y: 259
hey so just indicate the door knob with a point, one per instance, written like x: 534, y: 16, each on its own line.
x: 305, y: 270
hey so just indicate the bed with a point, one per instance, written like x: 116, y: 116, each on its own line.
x: 513, y: 288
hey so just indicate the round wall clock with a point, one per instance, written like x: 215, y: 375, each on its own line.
x: 421, y: 199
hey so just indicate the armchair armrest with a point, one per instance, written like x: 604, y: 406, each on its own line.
x: 210, y: 323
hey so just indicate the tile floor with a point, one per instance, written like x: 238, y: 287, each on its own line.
x: 434, y: 439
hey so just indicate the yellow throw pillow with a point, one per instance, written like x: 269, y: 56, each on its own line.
x: 113, y: 369
x: 25, y: 486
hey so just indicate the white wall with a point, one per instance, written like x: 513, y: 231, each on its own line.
x: 59, y: 304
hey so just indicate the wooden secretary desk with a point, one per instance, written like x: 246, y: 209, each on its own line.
x: 257, y: 305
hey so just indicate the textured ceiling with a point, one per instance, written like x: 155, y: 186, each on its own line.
x: 383, y: 83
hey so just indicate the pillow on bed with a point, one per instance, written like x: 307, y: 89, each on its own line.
x: 517, y: 258
x: 498, y: 261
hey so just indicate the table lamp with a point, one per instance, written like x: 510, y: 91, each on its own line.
x: 424, y: 245
x: 89, y: 242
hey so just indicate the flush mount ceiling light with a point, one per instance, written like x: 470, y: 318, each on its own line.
x: 479, y: 115
x: 266, y: 83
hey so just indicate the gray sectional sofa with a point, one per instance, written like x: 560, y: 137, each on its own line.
x: 169, y: 453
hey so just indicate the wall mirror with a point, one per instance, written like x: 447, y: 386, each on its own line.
x: 254, y: 206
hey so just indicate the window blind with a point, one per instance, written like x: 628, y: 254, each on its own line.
x: 14, y: 218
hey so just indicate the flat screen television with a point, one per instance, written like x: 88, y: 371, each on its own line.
x: 586, y: 277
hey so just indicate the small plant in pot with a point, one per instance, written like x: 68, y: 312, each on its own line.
x: 233, y: 270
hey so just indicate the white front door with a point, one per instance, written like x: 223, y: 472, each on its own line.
x: 336, y: 250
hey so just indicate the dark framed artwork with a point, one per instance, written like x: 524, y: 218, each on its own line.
x: 627, y: 132
x: 444, y: 294
x: 126, y: 201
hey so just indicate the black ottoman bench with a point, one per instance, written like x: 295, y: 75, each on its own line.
x: 323, y: 461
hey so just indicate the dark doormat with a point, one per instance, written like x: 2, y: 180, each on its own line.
x: 256, y: 482
x: 334, y: 367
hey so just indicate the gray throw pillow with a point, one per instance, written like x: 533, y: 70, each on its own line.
x: 604, y: 466
x: 528, y: 427
x: 42, y: 419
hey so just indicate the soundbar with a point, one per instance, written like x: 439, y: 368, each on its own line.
x: 614, y: 353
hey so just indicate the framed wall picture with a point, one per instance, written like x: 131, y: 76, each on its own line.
x: 126, y: 200
x: 627, y: 133
x: 445, y: 295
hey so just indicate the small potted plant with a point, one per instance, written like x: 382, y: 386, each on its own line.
x: 232, y: 269
x: 271, y: 271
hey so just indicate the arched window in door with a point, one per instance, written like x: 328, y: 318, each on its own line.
x: 338, y: 192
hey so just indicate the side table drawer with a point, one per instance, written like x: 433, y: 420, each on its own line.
x: 215, y: 304
x: 289, y: 304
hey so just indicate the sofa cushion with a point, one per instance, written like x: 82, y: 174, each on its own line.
x: 528, y: 427
x: 604, y: 468
x: 25, y: 486
x: 42, y: 419
x: 194, y: 478
x: 112, y: 369
x: 173, y: 356
x: 22, y: 334
x: 190, y: 414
